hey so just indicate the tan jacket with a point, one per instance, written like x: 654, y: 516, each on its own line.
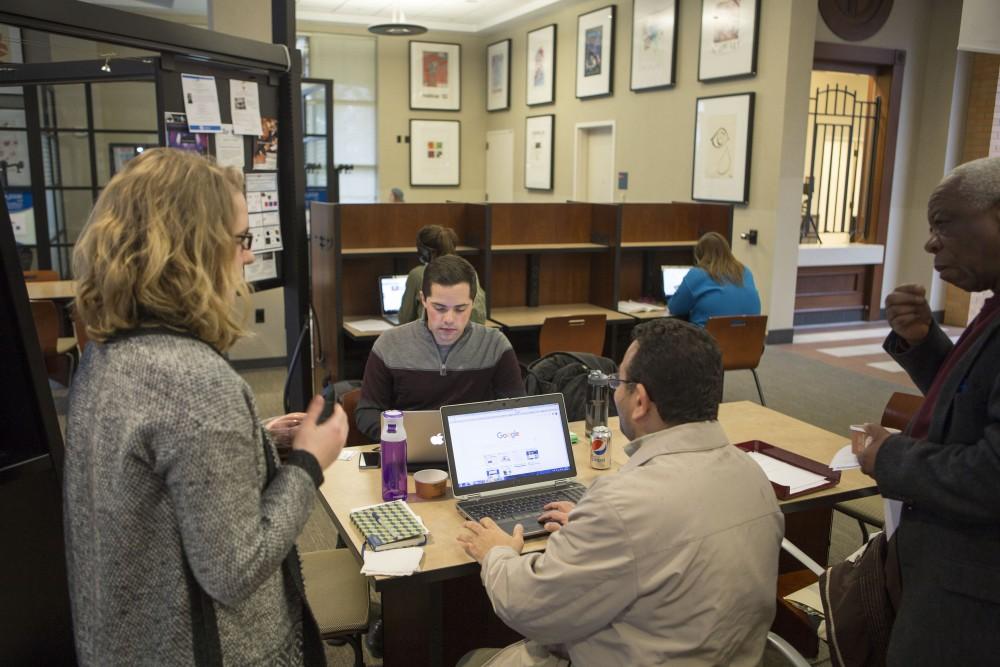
x: 674, y: 559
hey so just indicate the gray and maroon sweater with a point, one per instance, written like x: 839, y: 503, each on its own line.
x: 405, y: 372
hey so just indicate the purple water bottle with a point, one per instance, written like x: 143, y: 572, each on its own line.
x: 393, y: 456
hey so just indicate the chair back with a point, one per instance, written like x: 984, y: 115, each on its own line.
x: 79, y: 330
x: 46, y: 317
x: 900, y: 410
x: 40, y: 275
x: 576, y: 333
x: 740, y: 338
x: 350, y: 403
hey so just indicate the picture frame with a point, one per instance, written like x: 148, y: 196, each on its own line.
x: 119, y: 154
x: 595, y: 53
x: 435, y: 76
x: 723, y: 139
x: 498, y: 76
x: 539, y: 138
x: 540, y: 66
x: 435, y: 152
x: 728, y: 47
x: 654, y: 45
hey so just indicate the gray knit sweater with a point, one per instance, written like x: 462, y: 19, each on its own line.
x: 164, y: 459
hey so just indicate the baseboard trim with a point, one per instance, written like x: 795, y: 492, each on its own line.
x: 264, y: 362
x: 780, y: 336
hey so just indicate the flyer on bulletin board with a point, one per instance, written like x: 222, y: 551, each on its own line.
x: 201, y: 103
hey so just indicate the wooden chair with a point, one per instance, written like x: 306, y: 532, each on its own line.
x: 741, y: 339
x: 870, y: 511
x: 576, y: 333
x: 46, y: 316
x: 40, y: 275
x: 350, y: 403
x: 338, y: 596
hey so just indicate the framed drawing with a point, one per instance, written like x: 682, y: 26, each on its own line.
x: 539, y: 132
x: 498, y: 76
x: 654, y: 44
x: 540, y: 74
x: 435, y: 152
x: 595, y: 52
x: 435, y: 76
x: 728, y: 39
x: 723, y: 132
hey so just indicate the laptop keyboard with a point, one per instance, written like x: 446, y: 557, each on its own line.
x: 522, y: 507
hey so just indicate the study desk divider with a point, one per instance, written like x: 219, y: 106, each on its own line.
x: 527, y: 255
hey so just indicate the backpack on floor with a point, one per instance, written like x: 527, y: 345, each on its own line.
x: 566, y: 373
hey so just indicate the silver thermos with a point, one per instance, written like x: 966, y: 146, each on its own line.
x: 598, y: 396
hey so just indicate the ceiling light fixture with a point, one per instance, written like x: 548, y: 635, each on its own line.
x: 106, y: 67
x: 398, y: 27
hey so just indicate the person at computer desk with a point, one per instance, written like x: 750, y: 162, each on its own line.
x: 434, y: 241
x: 180, y: 523
x: 716, y: 286
x: 440, y: 359
x: 674, y: 557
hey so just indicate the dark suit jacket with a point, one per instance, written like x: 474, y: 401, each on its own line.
x: 949, y: 534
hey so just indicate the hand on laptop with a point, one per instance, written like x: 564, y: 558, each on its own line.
x: 483, y: 536
x: 556, y: 515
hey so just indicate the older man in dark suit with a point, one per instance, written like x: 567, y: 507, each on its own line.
x: 945, y: 467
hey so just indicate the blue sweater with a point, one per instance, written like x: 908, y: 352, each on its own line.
x: 700, y: 297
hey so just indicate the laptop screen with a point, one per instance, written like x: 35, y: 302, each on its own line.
x: 506, y: 443
x: 672, y: 277
x: 392, y: 288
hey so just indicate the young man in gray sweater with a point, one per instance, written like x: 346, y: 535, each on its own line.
x: 441, y: 359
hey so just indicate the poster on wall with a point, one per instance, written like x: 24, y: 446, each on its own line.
x: 244, y: 105
x: 201, y: 103
x: 435, y: 76
x: 179, y: 136
x: 435, y: 152
x: 498, y: 76
x: 539, y: 132
x: 728, y: 39
x: 14, y: 148
x: 265, y: 149
x: 722, y: 146
x: 654, y: 44
x: 10, y: 52
x: 22, y: 215
x: 264, y: 211
x: 229, y: 148
x: 595, y: 52
x: 541, y: 66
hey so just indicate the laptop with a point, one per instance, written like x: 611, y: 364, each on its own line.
x: 672, y: 277
x: 424, y: 439
x: 509, y: 458
x: 390, y: 290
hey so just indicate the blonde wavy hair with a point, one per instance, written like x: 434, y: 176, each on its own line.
x: 714, y: 256
x: 158, y: 250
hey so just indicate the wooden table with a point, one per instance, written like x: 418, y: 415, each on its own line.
x: 436, y: 615
x: 54, y: 290
x: 363, y: 334
x: 528, y: 317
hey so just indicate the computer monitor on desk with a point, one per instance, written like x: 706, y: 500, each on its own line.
x: 672, y: 278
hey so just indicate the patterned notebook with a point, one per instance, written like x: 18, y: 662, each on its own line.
x: 389, y: 525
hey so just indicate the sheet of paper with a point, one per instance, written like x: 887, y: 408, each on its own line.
x: 779, y: 472
x: 201, y: 102
x: 244, y: 103
x: 264, y: 266
x: 845, y: 459
x: 229, y: 148
x: 261, y: 182
x: 266, y: 230
x: 393, y: 562
x: 370, y: 325
x: 345, y: 455
x: 637, y: 307
x: 808, y: 597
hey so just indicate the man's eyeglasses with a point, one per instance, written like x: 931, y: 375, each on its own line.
x: 614, y: 381
x: 245, y: 239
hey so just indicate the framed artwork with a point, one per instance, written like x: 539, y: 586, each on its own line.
x: 540, y: 74
x: 122, y: 153
x: 539, y: 133
x: 723, y: 132
x: 654, y: 44
x: 498, y: 76
x: 435, y: 76
x: 435, y: 152
x: 728, y: 39
x: 595, y: 52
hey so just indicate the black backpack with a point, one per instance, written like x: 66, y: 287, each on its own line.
x: 566, y: 373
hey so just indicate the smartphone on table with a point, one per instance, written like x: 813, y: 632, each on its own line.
x: 370, y: 460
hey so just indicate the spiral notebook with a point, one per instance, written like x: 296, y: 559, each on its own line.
x: 390, y: 525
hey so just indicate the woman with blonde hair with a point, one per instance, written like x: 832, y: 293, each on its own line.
x: 434, y: 241
x: 717, y: 285
x: 180, y: 521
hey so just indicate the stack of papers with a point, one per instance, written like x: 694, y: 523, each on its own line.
x: 785, y: 474
x: 371, y: 325
x: 393, y: 563
x: 637, y: 307
x: 845, y: 459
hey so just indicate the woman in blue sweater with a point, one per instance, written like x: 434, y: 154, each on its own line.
x: 717, y: 285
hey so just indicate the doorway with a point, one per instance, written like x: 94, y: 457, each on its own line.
x: 500, y: 166
x: 594, y: 162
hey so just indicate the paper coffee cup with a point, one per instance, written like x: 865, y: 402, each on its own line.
x: 430, y: 483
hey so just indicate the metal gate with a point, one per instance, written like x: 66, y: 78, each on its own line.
x: 840, y: 158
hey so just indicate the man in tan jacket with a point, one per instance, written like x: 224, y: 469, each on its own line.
x: 674, y: 559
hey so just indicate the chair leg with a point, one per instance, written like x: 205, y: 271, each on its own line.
x: 759, y: 391
x: 359, y: 656
x: 864, y: 531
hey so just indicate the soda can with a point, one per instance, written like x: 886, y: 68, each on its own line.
x: 600, y: 448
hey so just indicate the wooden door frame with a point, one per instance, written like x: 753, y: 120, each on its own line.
x: 886, y: 65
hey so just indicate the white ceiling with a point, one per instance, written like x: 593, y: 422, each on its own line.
x: 454, y: 15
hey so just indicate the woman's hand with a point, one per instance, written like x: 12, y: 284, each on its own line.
x: 324, y: 441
